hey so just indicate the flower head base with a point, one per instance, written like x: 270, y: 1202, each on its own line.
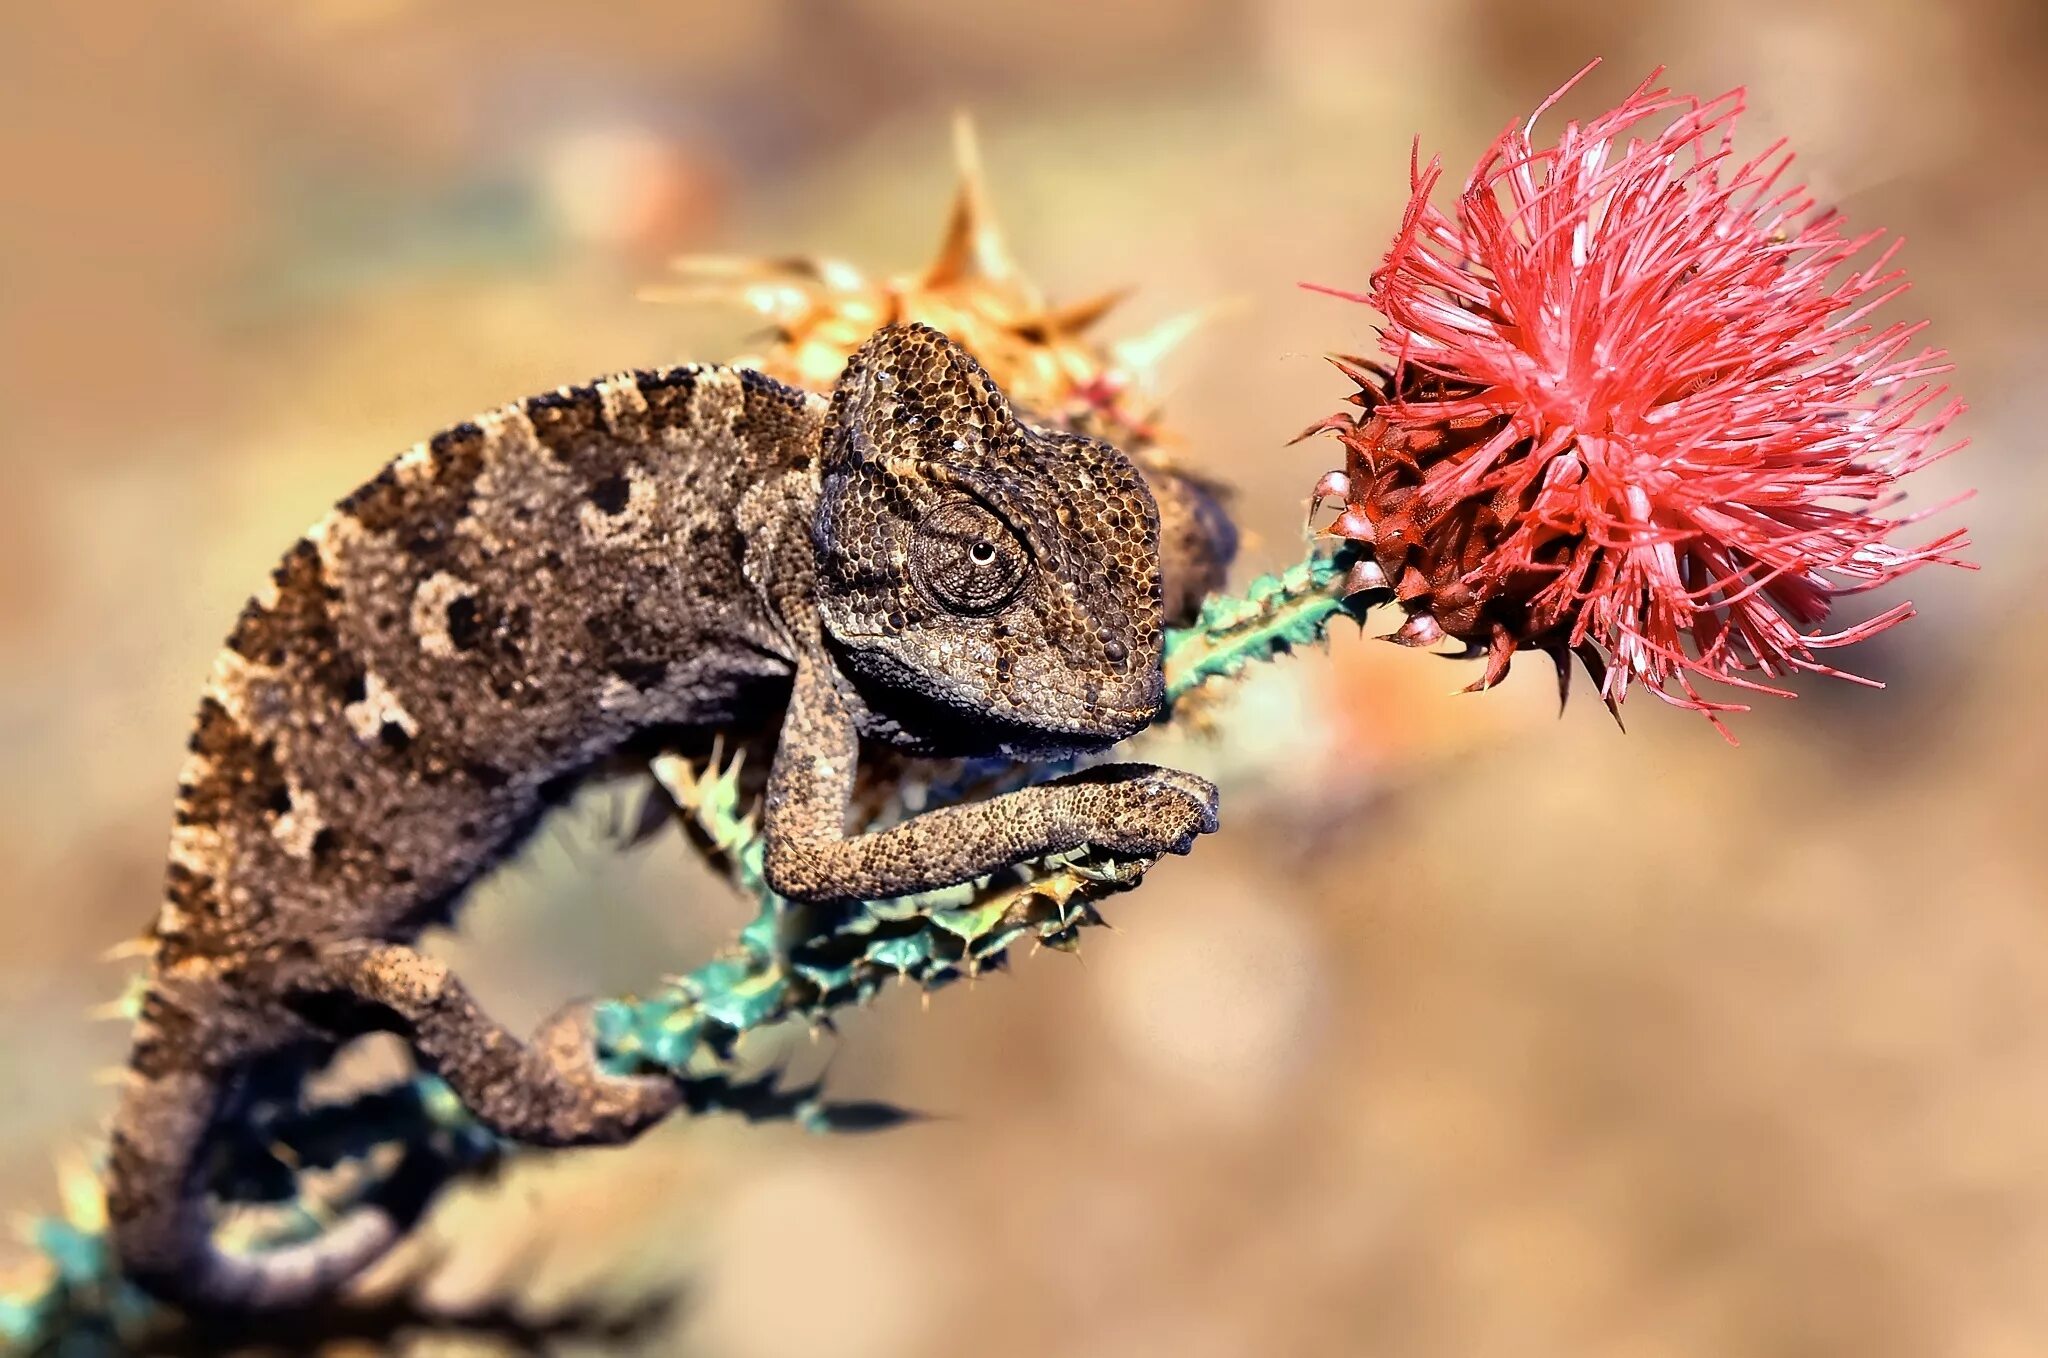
x: 1636, y: 411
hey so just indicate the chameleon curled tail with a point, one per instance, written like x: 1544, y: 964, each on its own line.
x: 165, y: 1236
x: 184, y: 1095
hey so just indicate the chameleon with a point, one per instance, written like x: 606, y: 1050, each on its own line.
x: 910, y: 566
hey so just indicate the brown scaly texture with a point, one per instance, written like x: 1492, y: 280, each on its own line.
x: 509, y: 605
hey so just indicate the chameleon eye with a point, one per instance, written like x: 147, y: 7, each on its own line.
x: 967, y: 558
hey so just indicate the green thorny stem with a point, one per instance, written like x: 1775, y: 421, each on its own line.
x: 793, y: 961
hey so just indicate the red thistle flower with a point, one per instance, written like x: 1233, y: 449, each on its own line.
x: 1636, y: 411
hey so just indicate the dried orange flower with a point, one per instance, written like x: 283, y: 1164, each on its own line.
x: 1042, y: 353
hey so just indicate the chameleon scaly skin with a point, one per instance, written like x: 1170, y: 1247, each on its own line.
x: 509, y: 605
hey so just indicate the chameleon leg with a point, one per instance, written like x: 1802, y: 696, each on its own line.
x: 548, y: 1091
x: 1129, y: 808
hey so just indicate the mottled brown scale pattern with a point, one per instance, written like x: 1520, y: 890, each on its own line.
x: 508, y: 605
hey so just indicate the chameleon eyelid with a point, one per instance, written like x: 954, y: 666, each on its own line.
x: 963, y: 493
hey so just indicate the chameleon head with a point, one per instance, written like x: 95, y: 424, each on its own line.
x: 990, y: 587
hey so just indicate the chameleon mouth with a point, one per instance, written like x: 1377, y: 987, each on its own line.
x: 1105, y: 727
x: 1121, y: 723
x: 1137, y: 718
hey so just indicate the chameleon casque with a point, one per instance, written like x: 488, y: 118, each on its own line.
x: 504, y: 608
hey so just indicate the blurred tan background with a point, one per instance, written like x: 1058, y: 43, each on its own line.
x: 1476, y: 1031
